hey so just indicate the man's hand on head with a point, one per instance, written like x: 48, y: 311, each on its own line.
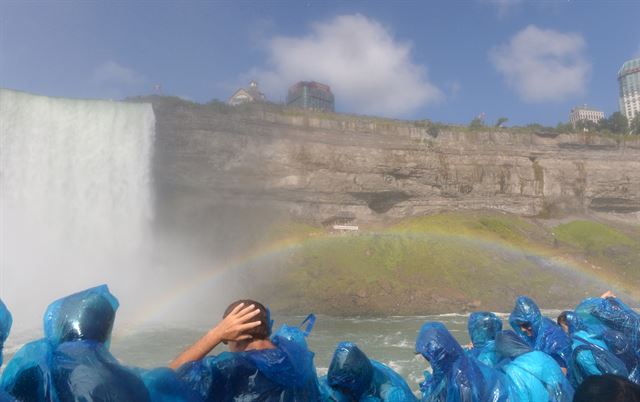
x: 233, y: 326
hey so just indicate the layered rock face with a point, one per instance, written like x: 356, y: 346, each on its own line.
x: 315, y: 166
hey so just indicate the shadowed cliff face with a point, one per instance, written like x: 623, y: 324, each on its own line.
x: 313, y: 166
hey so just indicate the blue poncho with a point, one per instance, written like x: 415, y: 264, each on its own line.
x: 285, y: 373
x: 164, y: 385
x: 534, y: 375
x: 456, y: 377
x: 611, y: 313
x: 73, y: 362
x: 483, y: 327
x: 595, y: 312
x: 590, y: 352
x: 546, y: 335
x: 5, y: 326
x: 353, y: 376
x: 591, y: 356
x: 618, y: 325
x: 620, y: 346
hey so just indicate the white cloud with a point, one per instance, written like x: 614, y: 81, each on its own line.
x: 543, y: 65
x: 111, y: 72
x: 367, y: 69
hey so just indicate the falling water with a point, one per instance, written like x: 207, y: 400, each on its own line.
x: 75, y: 196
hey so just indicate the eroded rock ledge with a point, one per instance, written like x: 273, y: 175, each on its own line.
x: 314, y: 165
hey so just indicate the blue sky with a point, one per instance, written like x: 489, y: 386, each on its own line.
x: 530, y: 61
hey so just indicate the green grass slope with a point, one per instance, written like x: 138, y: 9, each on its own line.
x: 450, y: 262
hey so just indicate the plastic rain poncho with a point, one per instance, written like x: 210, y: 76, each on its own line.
x: 546, y: 336
x: 620, y: 346
x: 72, y: 362
x: 483, y: 327
x: 591, y: 356
x: 534, y: 375
x: 456, y: 377
x: 285, y: 373
x: 611, y: 313
x: 164, y: 385
x: 352, y: 376
x: 5, y: 326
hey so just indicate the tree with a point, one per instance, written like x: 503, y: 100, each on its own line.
x: 586, y: 125
x: 635, y: 125
x: 604, y: 124
x: 476, y: 123
x: 618, y: 123
x: 564, y: 128
x: 500, y: 122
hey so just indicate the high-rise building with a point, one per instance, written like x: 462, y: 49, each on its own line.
x: 311, y: 95
x: 585, y: 113
x: 629, y: 79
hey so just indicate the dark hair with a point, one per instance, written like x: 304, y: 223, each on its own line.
x: 607, y: 387
x: 262, y: 331
x: 562, y: 318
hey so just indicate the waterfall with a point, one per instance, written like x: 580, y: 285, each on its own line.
x: 75, y: 195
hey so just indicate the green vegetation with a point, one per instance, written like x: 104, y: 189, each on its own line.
x: 612, y: 126
x: 616, y: 123
x: 446, y: 262
x: 501, y: 121
x: 476, y: 124
x: 293, y: 231
x: 594, y: 236
x: 635, y: 125
x: 508, y: 228
x: 604, y: 246
x: 433, y: 129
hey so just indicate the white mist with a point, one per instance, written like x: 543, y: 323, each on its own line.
x: 75, y: 198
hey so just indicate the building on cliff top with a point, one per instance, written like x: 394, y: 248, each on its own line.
x: 311, y: 95
x: 629, y: 79
x: 585, y: 113
x: 242, y: 95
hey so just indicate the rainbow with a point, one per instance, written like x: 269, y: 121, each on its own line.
x: 205, y: 280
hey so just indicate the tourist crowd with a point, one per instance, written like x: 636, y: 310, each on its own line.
x: 591, y: 353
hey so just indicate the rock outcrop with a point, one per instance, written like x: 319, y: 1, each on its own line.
x: 317, y: 165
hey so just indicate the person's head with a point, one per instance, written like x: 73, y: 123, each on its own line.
x: 526, y: 319
x: 260, y: 333
x: 526, y: 329
x: 84, y: 316
x: 483, y: 327
x: 607, y: 387
x: 562, y: 321
x: 350, y: 370
x: 436, y: 344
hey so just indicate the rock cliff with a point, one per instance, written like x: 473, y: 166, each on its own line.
x: 315, y: 166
